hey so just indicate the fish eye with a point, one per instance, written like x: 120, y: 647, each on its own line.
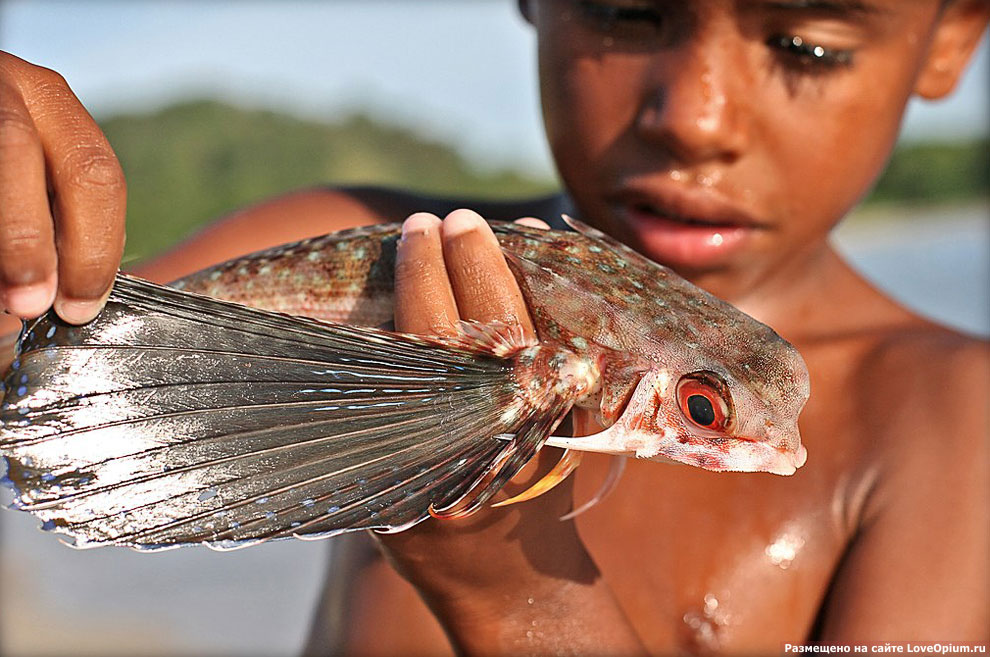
x: 704, y: 399
x: 701, y: 410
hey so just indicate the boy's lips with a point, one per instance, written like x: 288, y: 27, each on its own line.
x: 682, y: 228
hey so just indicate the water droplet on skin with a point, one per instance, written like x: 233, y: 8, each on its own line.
x: 711, y: 604
x: 716, y: 239
x: 708, y: 625
x: 676, y: 175
x: 706, y: 85
x: 782, y: 551
x: 706, y: 124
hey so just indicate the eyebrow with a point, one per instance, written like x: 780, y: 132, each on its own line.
x: 826, y: 6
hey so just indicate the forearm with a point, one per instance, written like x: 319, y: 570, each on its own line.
x: 572, y: 612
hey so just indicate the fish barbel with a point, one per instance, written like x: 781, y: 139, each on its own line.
x: 261, y: 399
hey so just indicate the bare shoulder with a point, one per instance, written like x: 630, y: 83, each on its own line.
x: 940, y: 374
x: 916, y: 566
x: 925, y: 407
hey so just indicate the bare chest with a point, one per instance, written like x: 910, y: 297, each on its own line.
x: 727, y: 562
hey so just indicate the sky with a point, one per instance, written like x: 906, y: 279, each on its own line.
x: 461, y: 70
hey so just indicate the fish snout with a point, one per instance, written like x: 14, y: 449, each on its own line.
x: 785, y: 463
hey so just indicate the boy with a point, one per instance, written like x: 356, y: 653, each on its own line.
x: 724, y: 139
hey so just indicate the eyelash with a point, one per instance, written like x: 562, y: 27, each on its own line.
x: 607, y: 16
x: 799, y: 54
x: 810, y: 55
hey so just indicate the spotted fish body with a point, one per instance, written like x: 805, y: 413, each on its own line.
x: 182, y: 416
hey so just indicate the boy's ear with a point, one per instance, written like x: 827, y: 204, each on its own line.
x: 956, y: 36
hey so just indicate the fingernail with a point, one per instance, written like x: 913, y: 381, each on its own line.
x: 419, y: 224
x: 29, y: 300
x: 460, y: 222
x: 77, y: 312
x: 532, y: 222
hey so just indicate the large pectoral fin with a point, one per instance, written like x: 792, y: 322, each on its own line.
x: 174, y: 419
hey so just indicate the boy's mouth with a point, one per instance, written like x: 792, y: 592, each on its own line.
x: 683, y: 229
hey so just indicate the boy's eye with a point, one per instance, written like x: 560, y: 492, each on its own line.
x: 623, y: 18
x: 804, y: 54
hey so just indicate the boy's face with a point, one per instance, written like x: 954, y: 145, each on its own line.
x: 725, y: 138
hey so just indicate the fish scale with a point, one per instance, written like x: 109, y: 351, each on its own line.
x: 256, y: 400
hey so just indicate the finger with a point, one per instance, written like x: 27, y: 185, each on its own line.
x: 532, y: 222
x: 483, y: 286
x: 27, y: 247
x: 424, y: 302
x: 89, y: 192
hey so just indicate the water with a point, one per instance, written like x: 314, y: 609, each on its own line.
x: 934, y: 262
x: 259, y: 601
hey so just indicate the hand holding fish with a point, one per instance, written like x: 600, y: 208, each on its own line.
x: 531, y: 564
x: 59, y: 176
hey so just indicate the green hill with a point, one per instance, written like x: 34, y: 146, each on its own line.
x: 936, y: 172
x: 192, y: 162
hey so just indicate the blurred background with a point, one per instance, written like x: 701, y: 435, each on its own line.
x: 214, y: 105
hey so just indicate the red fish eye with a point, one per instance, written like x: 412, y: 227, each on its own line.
x: 703, y: 402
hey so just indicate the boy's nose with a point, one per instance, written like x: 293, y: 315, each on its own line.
x: 694, y: 103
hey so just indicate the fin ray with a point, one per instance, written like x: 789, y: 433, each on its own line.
x: 175, y: 419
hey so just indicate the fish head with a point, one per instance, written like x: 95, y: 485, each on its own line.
x: 716, y: 413
x: 686, y: 377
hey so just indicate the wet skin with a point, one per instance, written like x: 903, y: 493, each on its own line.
x: 671, y: 126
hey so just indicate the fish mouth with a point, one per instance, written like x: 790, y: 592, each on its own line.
x: 731, y: 455
x: 739, y: 456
